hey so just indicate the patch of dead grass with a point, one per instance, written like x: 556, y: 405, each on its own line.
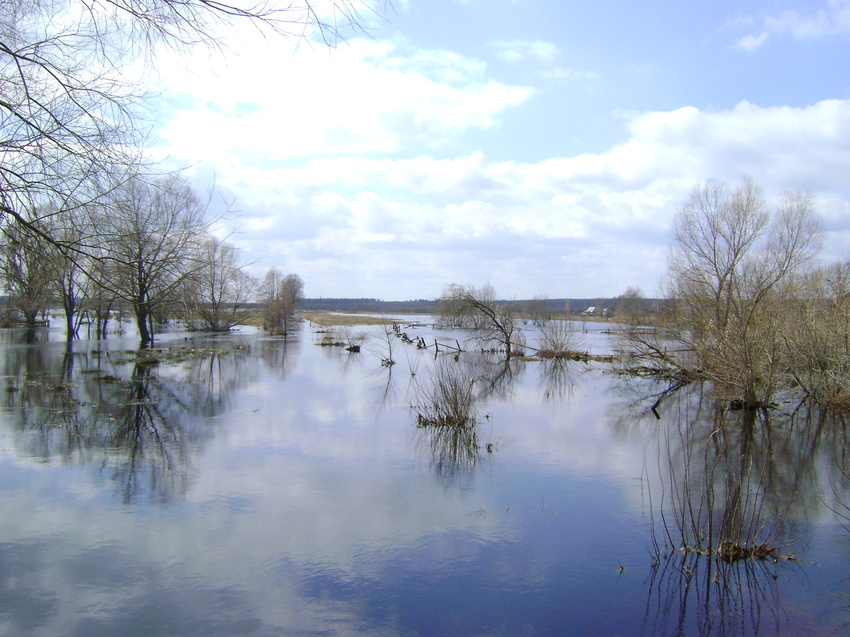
x: 328, y: 319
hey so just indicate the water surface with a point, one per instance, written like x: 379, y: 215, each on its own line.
x: 263, y: 486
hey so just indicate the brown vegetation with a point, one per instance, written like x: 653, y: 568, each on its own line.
x: 280, y: 297
x: 329, y: 319
x: 744, y: 311
x: 560, y: 339
x: 448, y: 400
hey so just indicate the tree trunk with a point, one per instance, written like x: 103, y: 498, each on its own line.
x: 102, y: 312
x: 142, y: 317
x: 70, y: 331
x: 31, y: 318
x: 70, y: 327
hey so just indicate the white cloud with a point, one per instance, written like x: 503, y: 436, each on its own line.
x: 751, y: 42
x: 569, y: 74
x: 334, y: 161
x: 364, y: 97
x: 584, y: 225
x: 829, y: 21
x: 520, y: 50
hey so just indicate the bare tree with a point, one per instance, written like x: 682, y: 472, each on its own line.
x: 68, y: 113
x: 220, y: 289
x: 730, y: 267
x: 384, y: 350
x: 538, y: 310
x: 478, y: 309
x: 63, y: 113
x: 101, y: 300
x: 152, y: 233
x: 280, y: 297
x: 630, y: 306
x: 68, y: 266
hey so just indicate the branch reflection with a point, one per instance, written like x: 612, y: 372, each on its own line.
x: 730, y: 499
x: 279, y: 353
x: 138, y: 418
x: 492, y: 375
x: 558, y: 378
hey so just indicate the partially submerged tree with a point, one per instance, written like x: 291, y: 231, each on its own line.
x: 280, y: 297
x: 731, y: 269
x: 220, y: 289
x: 154, y: 232
x: 101, y: 301
x: 477, y: 308
x: 68, y: 267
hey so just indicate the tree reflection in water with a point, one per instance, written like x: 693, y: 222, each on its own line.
x: 840, y: 482
x: 493, y: 375
x: 730, y: 499
x: 279, y: 353
x: 558, y: 378
x: 136, y: 417
x: 445, y: 404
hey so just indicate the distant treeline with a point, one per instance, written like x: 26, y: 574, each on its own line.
x: 429, y: 306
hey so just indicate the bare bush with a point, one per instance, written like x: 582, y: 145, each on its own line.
x: 815, y: 328
x: 448, y: 400
x: 560, y: 339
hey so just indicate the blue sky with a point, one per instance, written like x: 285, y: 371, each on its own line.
x: 542, y: 146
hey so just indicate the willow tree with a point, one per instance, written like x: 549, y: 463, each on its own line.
x: 280, y: 296
x: 732, y: 269
x: 152, y: 233
x: 218, y: 293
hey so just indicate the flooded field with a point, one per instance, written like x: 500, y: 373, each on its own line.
x: 249, y: 485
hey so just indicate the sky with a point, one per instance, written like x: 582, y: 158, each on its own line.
x: 541, y: 146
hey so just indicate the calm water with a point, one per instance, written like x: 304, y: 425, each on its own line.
x: 256, y: 486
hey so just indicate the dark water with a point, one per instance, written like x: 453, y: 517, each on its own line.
x: 256, y: 486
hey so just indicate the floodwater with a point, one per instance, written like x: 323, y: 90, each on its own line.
x: 248, y: 485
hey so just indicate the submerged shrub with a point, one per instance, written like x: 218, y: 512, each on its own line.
x: 559, y: 339
x: 448, y: 399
